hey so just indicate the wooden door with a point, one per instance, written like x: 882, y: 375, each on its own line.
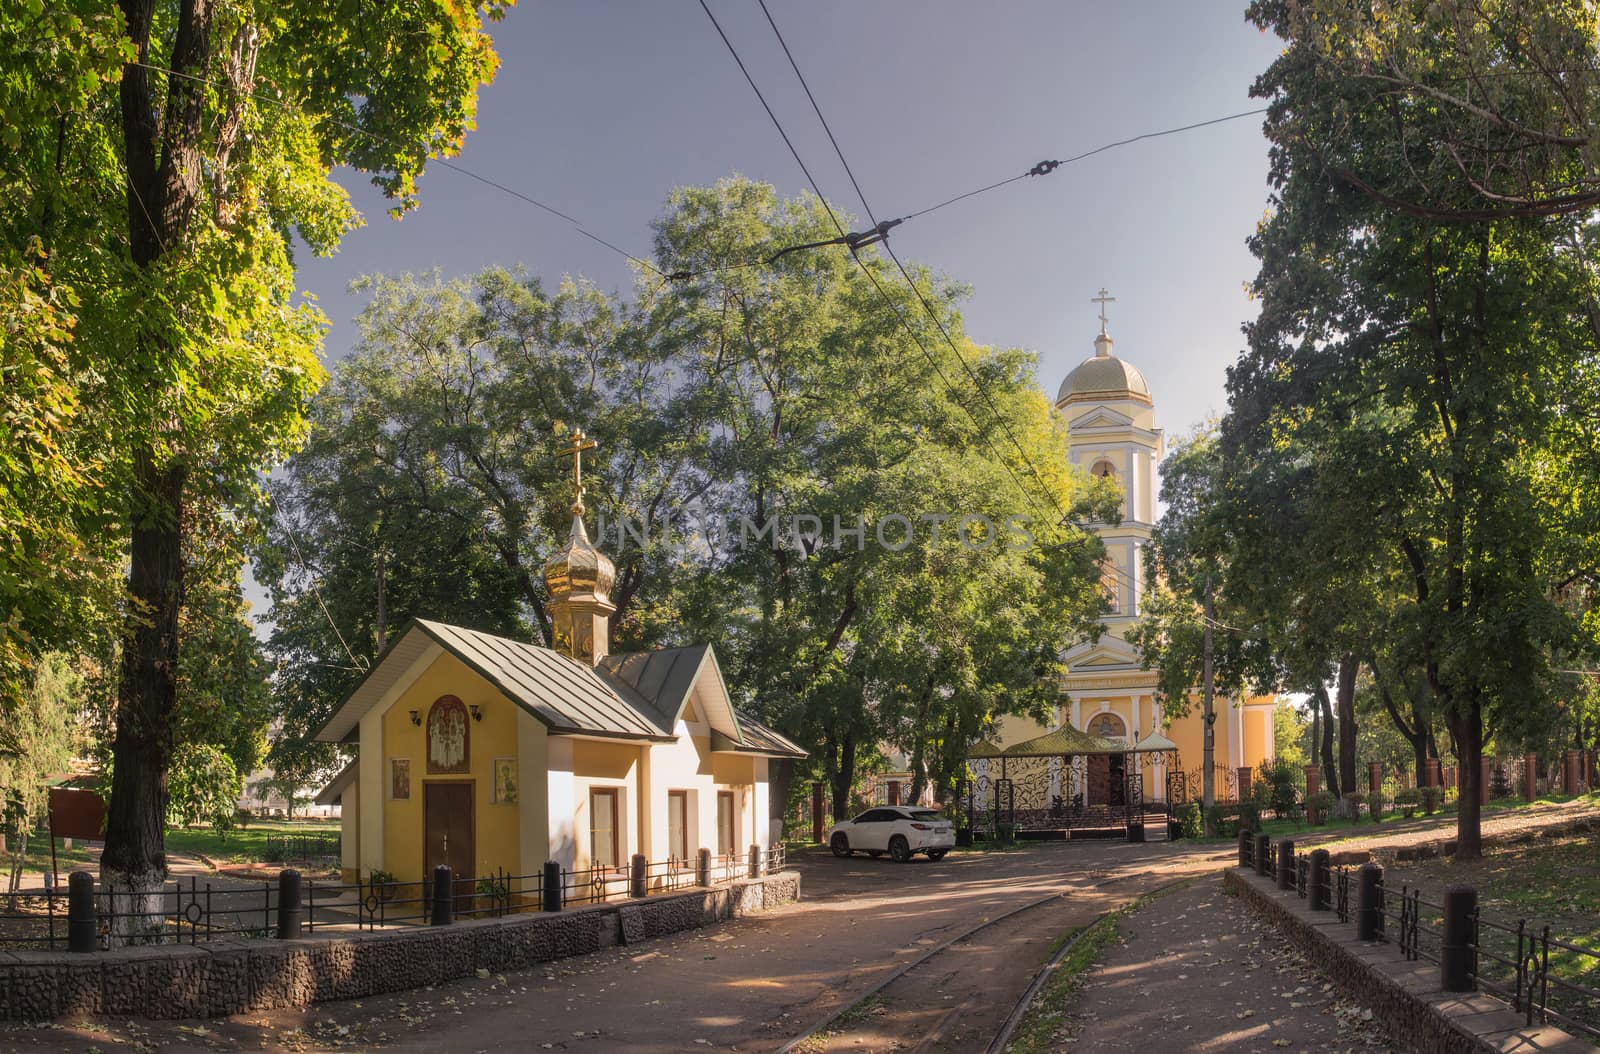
x: 1099, y: 779
x: 448, y: 831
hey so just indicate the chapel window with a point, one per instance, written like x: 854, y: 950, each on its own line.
x: 678, y: 825
x: 725, y: 824
x: 604, y: 813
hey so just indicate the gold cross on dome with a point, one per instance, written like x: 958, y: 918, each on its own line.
x: 1103, y: 300
x: 578, y: 443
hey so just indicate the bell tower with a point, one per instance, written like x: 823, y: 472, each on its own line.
x: 579, y: 578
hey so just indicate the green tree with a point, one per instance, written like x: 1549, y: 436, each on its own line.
x: 36, y: 742
x: 216, y: 146
x: 200, y: 138
x: 739, y: 414
x: 1419, y: 356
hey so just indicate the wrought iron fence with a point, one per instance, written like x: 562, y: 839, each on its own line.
x: 192, y: 912
x: 301, y: 848
x: 1545, y: 978
x: 33, y: 919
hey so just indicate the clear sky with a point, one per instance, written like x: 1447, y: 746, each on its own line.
x: 601, y: 108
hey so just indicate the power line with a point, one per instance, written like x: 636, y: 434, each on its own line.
x: 355, y: 129
x: 882, y: 293
x: 977, y: 382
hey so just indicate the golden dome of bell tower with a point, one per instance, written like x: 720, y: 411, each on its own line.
x: 579, y: 578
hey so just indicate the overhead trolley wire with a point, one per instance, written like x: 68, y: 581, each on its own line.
x: 355, y: 129
x: 977, y: 382
x: 845, y: 238
x: 1039, y: 169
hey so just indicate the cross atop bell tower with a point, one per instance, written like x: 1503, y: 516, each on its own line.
x: 578, y: 444
x: 1103, y: 300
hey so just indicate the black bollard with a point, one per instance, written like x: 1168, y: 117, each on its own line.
x: 1369, y: 903
x: 82, y: 926
x: 1317, y: 881
x: 1457, y: 943
x: 290, y: 912
x: 444, y: 901
x: 552, y: 885
x: 1244, y: 847
x: 1286, y: 863
x: 636, y: 886
x: 702, y: 867
x: 1263, y: 853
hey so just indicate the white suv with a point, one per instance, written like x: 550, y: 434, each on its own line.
x: 899, y: 830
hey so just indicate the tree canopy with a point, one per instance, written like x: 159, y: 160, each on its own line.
x: 749, y: 421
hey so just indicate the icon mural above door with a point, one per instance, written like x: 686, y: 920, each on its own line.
x: 448, y: 736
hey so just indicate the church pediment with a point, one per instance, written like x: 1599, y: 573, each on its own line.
x: 1100, y: 417
x: 1106, y: 653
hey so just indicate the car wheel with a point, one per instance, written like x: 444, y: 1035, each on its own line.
x: 937, y: 854
x: 874, y: 853
x: 899, y: 849
x: 840, y: 845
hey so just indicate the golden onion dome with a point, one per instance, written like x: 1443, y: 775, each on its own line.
x: 578, y: 570
x: 1103, y: 376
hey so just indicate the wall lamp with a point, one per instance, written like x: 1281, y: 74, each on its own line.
x: 416, y: 718
x: 477, y: 712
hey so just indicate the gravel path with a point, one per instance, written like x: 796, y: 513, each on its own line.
x: 1198, y: 972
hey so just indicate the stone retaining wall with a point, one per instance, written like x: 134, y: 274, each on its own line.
x: 1403, y: 995
x: 231, y: 977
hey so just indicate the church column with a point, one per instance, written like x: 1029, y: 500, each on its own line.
x: 370, y: 777
x: 1235, y: 734
x: 533, y: 814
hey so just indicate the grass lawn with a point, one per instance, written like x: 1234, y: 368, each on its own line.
x: 244, y: 845
x: 1554, y: 881
x: 38, y: 858
x: 233, y: 847
x: 1366, y: 827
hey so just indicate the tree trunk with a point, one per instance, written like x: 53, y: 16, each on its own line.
x: 780, y: 777
x: 844, y: 776
x: 134, y: 863
x: 1349, y: 666
x: 1468, y: 729
x: 1330, y: 772
x: 164, y: 173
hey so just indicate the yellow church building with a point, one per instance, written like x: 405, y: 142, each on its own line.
x: 487, y: 753
x: 1110, y: 695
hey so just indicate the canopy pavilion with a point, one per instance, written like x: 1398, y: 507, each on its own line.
x: 1069, y: 781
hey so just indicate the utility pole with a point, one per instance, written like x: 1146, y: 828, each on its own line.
x: 1208, y: 782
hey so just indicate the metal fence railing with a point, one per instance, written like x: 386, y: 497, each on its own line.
x: 1545, y: 978
x: 192, y: 911
x: 301, y: 849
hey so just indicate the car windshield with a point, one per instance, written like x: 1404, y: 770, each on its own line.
x: 925, y: 814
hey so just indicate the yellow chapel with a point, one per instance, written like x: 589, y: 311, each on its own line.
x: 494, y: 755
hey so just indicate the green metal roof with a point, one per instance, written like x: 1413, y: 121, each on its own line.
x: 629, y: 696
x: 1064, y: 740
x: 758, y: 739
